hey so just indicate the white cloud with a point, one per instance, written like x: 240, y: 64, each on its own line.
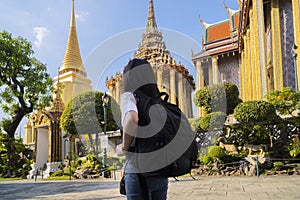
x: 82, y: 15
x: 40, y: 33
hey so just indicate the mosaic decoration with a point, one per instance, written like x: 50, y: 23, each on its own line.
x: 287, y: 42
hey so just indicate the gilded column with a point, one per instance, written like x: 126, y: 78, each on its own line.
x: 248, y: 67
x: 189, y: 97
x: 261, y: 63
x: 180, y: 90
x: 198, y: 66
x: 245, y: 68
x: 111, y: 86
x: 172, y: 86
x: 242, y: 74
x: 215, y: 69
x: 296, y: 20
x: 199, y: 75
x: 210, y: 74
x: 34, y: 133
x: 59, y: 143
x: 111, y: 89
x: 28, y: 133
x: 253, y: 67
x: 276, y: 45
x: 199, y: 82
x: 121, y: 85
x: 184, y: 100
x: 202, y: 81
x: 118, y: 91
x: 51, y: 143
x: 159, y: 78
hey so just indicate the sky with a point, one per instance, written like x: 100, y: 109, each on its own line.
x: 108, y: 31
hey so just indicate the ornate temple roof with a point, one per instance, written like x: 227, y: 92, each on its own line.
x: 222, y: 29
x: 220, y: 37
x: 72, y: 59
x: 154, y: 49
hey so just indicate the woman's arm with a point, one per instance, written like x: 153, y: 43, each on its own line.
x: 129, y: 128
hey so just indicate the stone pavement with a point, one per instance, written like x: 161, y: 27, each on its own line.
x: 264, y: 187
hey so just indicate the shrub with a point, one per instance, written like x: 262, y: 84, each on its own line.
x: 278, y: 165
x: 255, y: 111
x: 216, y: 152
x: 206, y: 159
x: 218, y: 97
x: 67, y: 170
x: 79, y: 162
x: 88, y: 164
x: 57, y: 173
x: 294, y: 146
x: 213, y: 120
x: 98, y: 167
x: 195, y: 124
x: 230, y: 158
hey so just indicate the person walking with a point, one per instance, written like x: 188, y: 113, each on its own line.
x: 138, y: 75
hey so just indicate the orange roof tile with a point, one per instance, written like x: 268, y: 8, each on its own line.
x: 218, y: 31
x: 236, y: 20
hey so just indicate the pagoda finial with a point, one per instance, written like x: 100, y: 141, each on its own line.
x: 205, y: 25
x: 151, y: 22
x: 73, y: 15
x: 226, y: 7
x: 72, y: 57
x: 229, y: 10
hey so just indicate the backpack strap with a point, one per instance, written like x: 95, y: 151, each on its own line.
x: 139, y: 94
x: 164, y: 94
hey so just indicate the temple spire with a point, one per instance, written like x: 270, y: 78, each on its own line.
x: 57, y: 106
x: 72, y: 57
x: 152, y: 41
x: 151, y: 22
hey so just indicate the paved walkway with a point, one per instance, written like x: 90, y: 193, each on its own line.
x: 264, y: 187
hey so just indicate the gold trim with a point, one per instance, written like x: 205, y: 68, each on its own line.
x: 296, y: 20
x: 276, y: 44
x: 253, y: 56
x: 260, y: 59
x: 72, y: 57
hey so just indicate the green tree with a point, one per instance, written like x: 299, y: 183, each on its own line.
x: 255, y: 111
x: 285, y: 101
x: 25, y: 84
x: 84, y: 114
x: 287, y: 104
x: 195, y: 124
x: 255, y: 118
x: 21, y: 159
x: 222, y: 97
x: 212, y: 121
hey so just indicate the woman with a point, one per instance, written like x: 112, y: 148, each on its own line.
x: 138, y: 75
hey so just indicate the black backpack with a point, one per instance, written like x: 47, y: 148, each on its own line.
x: 166, y: 144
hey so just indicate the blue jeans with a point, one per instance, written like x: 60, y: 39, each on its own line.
x: 157, y: 187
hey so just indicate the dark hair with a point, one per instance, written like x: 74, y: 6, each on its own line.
x: 138, y: 75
